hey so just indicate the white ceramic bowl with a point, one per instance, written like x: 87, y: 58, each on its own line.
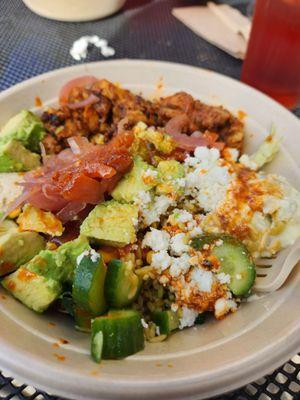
x: 192, y: 364
x: 74, y: 10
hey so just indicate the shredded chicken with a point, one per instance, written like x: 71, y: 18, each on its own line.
x: 116, y: 104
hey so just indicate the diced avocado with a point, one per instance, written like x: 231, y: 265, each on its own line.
x: 59, y: 264
x: 66, y: 256
x: 49, y: 269
x: 169, y: 173
x: 111, y: 223
x: 33, y: 290
x: 25, y: 127
x: 161, y: 141
x: 34, y: 219
x: 134, y: 181
x: 14, y: 157
x: 17, y: 248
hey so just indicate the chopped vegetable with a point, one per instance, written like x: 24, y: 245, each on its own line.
x: 234, y: 260
x: 122, y: 285
x: 88, y: 284
x: 121, y: 334
x: 167, y: 321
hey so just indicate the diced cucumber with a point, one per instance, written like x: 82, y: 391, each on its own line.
x: 122, y: 334
x: 122, y: 285
x: 83, y: 320
x: 97, y: 346
x: 234, y: 258
x: 88, y: 285
x: 167, y: 321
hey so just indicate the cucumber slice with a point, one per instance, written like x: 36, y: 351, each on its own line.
x: 122, y: 285
x: 122, y: 334
x: 88, y: 284
x: 167, y: 321
x: 235, y: 261
x: 83, y: 320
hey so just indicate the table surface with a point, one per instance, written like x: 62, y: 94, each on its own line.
x: 144, y: 29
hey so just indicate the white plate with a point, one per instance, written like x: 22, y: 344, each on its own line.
x: 195, y: 363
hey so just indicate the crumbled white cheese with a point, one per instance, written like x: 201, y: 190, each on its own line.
x: 196, y: 232
x: 157, y: 240
x: 219, y: 242
x: 182, y: 216
x: 179, y: 265
x: 157, y: 330
x: 204, y: 153
x: 180, y: 182
x: 202, y: 279
x: 223, y: 306
x: 178, y: 244
x: 174, y: 307
x: 191, y: 225
x: 144, y: 323
x: 234, y: 153
x: 153, y: 212
x: 150, y: 173
x: 206, y: 180
x: 163, y: 280
x: 92, y: 253
x: 188, y: 317
x: 79, y: 48
x: 143, y: 198
x: 271, y: 204
x: 223, y: 278
x: 161, y: 260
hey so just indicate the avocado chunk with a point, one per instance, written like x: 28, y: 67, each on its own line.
x: 14, y: 157
x: 140, y: 178
x: 111, y: 223
x: 34, y: 219
x: 43, y: 276
x: 169, y: 174
x: 25, y: 127
x: 59, y: 264
x: 33, y: 290
x: 17, y: 248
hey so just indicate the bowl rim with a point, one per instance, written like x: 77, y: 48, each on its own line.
x: 276, y: 353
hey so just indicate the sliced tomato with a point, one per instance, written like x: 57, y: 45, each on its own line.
x: 79, y: 176
x: 81, y: 188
